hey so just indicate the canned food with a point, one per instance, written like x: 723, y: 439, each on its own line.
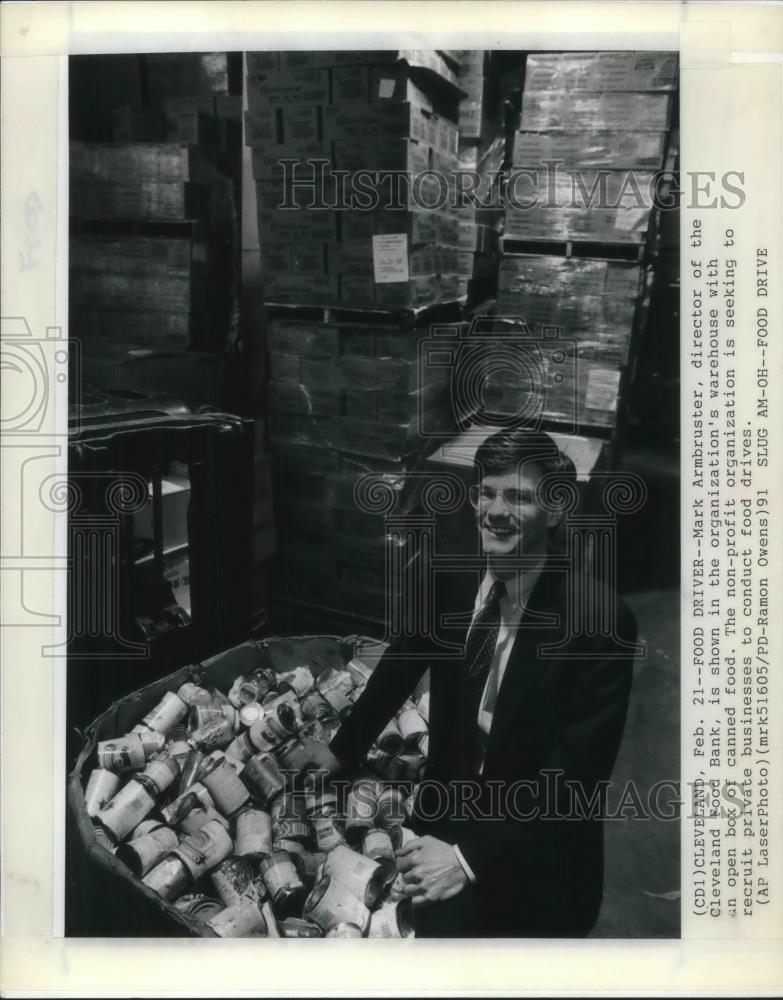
x: 250, y: 713
x: 162, y: 772
x: 225, y: 787
x: 169, y: 879
x: 378, y: 846
x: 101, y: 785
x: 199, y: 906
x: 360, y: 810
x: 300, y: 681
x: 261, y: 738
x: 253, y: 834
x: 283, y: 883
x: 331, y: 903
x: 143, y: 853
x: 200, y: 715
x: 262, y: 776
x: 232, y: 879
x: 189, y: 769
x: 252, y: 689
x: 192, y: 694
x: 411, y: 726
x: 318, y: 800
x: 292, y: 847
x: 359, y: 875
x: 127, y: 808
x: 197, y: 795
x: 390, y: 812
x: 289, y: 805
x: 291, y: 829
x: 423, y: 705
x: 407, y: 835
x: 151, y: 741
x: 311, y: 865
x: 214, y: 735
x: 359, y: 672
x: 233, y: 694
x: 315, y: 731
x: 104, y: 838
x: 295, y: 927
x: 198, y: 817
x: 335, y: 680
x: 179, y: 751
x: 166, y: 714
x: 146, y: 826
x: 240, y: 749
x: 123, y: 754
x: 390, y: 738
x: 327, y: 829
x: 392, y: 920
x: 315, y: 706
x: 201, y: 851
x: 339, y: 702
x: 242, y: 919
x: 343, y: 930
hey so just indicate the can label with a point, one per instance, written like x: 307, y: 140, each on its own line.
x: 226, y: 788
x: 200, y: 715
x: 169, y: 879
x: 361, y: 876
x: 253, y: 833
x: 411, y: 725
x: 314, y: 707
x: 166, y: 714
x: 124, y: 754
x: 232, y: 879
x: 205, y: 849
x: 262, y: 776
x: 214, y: 735
x: 193, y: 694
x: 327, y: 834
x: 126, y: 810
x: 377, y: 844
x: 243, y: 919
x: 391, y: 921
x: 101, y: 786
x: 291, y: 829
x: 162, y: 772
x: 335, y: 904
x: 280, y: 874
x: 344, y: 931
x: 145, y: 852
x: 152, y: 742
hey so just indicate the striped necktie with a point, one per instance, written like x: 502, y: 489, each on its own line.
x: 479, y: 651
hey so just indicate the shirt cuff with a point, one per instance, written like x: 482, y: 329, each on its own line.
x: 465, y: 866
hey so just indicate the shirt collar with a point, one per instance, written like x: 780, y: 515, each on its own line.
x: 518, y: 587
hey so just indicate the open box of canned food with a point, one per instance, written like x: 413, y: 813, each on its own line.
x: 187, y: 804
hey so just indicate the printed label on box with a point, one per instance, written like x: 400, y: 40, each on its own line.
x: 390, y: 257
x: 602, y: 389
x: 385, y: 87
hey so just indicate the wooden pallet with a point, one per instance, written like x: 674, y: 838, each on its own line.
x: 370, y: 315
x: 593, y: 249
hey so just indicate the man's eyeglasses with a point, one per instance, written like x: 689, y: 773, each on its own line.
x: 484, y: 496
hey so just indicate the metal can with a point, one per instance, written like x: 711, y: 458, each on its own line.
x: 104, y: 838
x: 250, y: 713
x: 225, y: 787
x: 339, y: 702
x: 200, y: 715
x: 262, y: 776
x: 407, y: 835
x: 283, y: 883
x: 296, y: 927
x: 390, y: 811
x: 198, y: 817
x: 232, y: 879
x: 199, y: 906
x: 253, y: 834
x: 162, y: 772
x: 142, y: 853
x: 189, y: 769
x: 179, y: 750
x: 378, y: 846
x: 335, y: 680
x: 359, y: 671
x: 201, y: 851
x: 166, y: 714
x: 292, y: 847
x: 311, y: 865
x: 343, y: 930
x: 411, y: 726
x: 359, y: 875
x: 327, y: 829
x: 146, y: 826
x: 291, y: 829
x: 101, y: 785
x: 392, y: 920
x: 193, y: 694
x: 151, y: 741
x: 423, y: 705
x: 214, y: 735
x: 242, y: 919
x: 261, y: 738
x: 127, y: 808
x: 252, y: 688
x: 360, y: 810
x: 123, y: 754
x: 196, y: 795
x: 169, y: 879
x: 240, y: 749
x: 315, y: 707
x: 316, y: 731
x: 299, y: 680
x: 289, y: 805
x: 331, y: 903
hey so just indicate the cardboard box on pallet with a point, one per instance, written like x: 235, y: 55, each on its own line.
x: 287, y: 88
x: 166, y: 291
x: 476, y: 238
x: 356, y: 258
x: 193, y: 128
x: 281, y: 226
x: 204, y: 104
x: 310, y: 371
x: 419, y: 227
x: 266, y: 127
x: 601, y: 71
x: 264, y: 62
x: 391, y: 154
x: 183, y: 74
x: 300, y: 289
x: 573, y: 311
x: 266, y: 165
x: 629, y: 112
x: 409, y: 120
x: 149, y: 329
x: 294, y: 258
x: 312, y: 339
x: 135, y: 254
x: 612, y: 225
x: 135, y: 164
x: 294, y: 397
x: 360, y: 291
x: 544, y: 274
x: 151, y: 201
x: 607, y: 149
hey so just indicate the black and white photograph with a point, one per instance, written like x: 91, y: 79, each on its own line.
x: 373, y: 494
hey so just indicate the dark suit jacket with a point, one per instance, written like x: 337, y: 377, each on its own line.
x: 559, y: 719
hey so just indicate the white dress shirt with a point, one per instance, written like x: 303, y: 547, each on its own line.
x: 512, y: 606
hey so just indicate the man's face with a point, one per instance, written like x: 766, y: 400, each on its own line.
x: 509, y: 517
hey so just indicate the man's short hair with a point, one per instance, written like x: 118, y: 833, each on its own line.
x: 506, y: 450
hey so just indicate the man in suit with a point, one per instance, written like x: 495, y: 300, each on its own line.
x: 525, y: 721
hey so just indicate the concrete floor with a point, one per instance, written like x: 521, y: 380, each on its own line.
x: 642, y: 880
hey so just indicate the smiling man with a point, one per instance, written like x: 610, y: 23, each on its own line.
x: 527, y: 709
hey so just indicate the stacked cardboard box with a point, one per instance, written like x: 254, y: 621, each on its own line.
x: 367, y: 225
x: 583, y: 162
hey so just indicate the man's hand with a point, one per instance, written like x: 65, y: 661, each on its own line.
x: 309, y: 756
x: 430, y: 870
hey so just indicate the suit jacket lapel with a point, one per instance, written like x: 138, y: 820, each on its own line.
x: 543, y: 613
